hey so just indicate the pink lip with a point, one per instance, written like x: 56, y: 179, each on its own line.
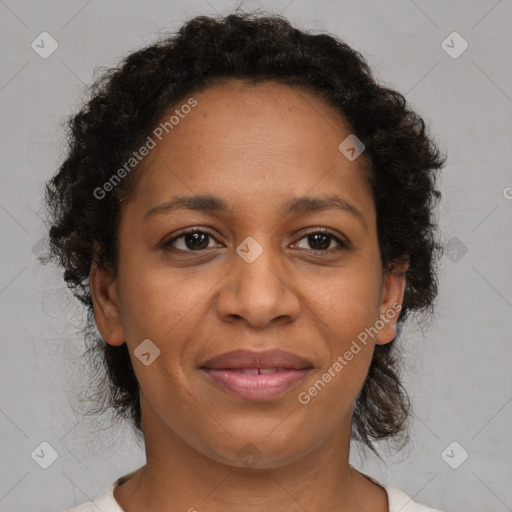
x: 259, y: 386
x: 272, y: 358
x: 226, y: 371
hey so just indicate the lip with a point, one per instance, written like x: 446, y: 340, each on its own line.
x: 270, y: 358
x: 256, y: 387
x: 227, y: 372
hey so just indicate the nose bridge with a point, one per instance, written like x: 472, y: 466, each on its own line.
x: 257, y: 268
x: 257, y: 288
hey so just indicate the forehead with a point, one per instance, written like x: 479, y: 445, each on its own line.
x: 264, y: 140
x: 256, y: 120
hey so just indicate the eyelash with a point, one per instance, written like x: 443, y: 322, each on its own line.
x: 342, y: 244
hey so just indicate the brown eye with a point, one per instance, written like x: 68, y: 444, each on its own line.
x: 192, y: 240
x: 196, y: 240
x: 321, y: 241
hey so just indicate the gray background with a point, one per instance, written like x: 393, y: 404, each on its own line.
x: 458, y: 371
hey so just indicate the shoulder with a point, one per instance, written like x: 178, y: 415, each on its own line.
x: 399, y: 501
x: 105, y: 502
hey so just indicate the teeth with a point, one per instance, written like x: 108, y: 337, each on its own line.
x: 251, y: 371
x: 268, y: 370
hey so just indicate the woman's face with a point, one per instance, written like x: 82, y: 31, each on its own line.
x: 250, y: 278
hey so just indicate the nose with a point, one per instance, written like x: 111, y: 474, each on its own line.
x: 258, y: 292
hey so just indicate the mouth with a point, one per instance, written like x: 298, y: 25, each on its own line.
x: 256, y: 375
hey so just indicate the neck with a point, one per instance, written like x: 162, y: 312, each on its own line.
x: 178, y: 476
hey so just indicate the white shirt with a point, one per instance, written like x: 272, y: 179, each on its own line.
x: 105, y: 501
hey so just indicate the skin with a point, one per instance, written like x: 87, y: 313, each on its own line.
x: 254, y: 146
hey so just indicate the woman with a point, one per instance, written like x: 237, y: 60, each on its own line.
x: 248, y: 217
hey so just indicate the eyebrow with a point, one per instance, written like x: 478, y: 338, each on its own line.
x: 299, y: 205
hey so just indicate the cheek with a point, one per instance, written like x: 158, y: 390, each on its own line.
x: 160, y: 304
x: 347, y: 300
x: 346, y: 316
x: 161, y: 307
x: 346, y: 307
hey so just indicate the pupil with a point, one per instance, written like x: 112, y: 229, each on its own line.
x: 315, y: 237
x: 200, y: 241
x: 196, y: 239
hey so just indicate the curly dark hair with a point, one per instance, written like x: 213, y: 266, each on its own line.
x: 127, y: 102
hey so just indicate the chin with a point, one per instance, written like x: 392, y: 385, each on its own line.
x: 258, y: 451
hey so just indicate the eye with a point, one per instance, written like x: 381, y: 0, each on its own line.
x: 196, y: 240
x: 192, y: 240
x: 321, y: 240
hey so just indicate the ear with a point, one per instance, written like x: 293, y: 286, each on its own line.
x: 392, y: 298
x: 107, y: 313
